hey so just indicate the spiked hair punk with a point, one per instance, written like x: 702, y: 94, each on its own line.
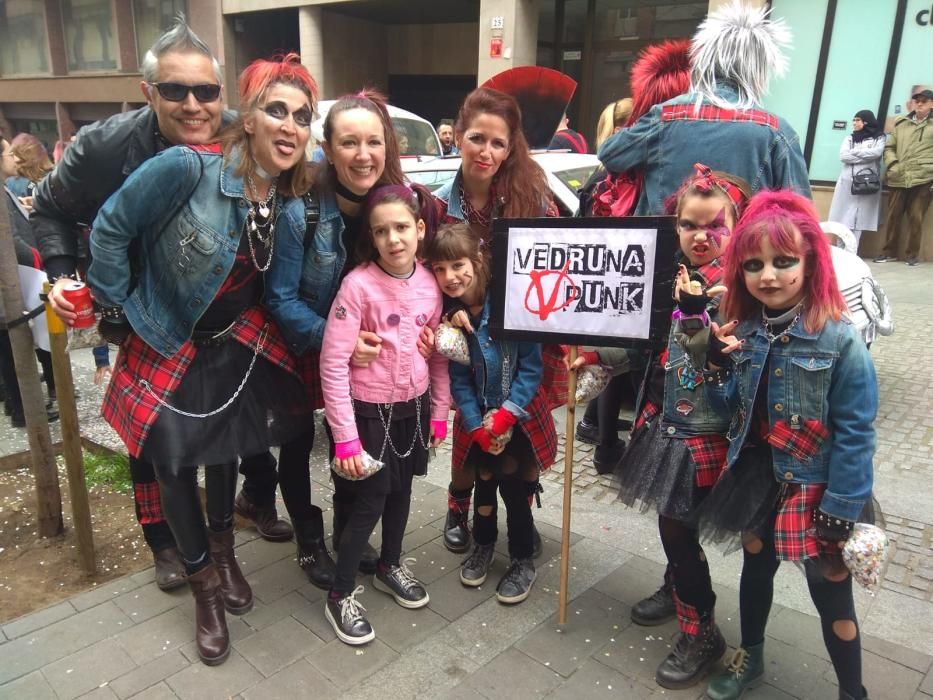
x: 738, y: 45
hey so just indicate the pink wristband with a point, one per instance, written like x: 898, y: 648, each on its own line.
x: 350, y: 448
x: 439, y: 428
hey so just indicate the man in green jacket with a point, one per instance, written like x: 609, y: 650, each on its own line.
x: 908, y: 157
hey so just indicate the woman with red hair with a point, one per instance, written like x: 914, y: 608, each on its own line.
x: 801, y: 388
x: 203, y: 375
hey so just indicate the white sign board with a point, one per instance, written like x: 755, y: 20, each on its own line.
x: 586, y: 281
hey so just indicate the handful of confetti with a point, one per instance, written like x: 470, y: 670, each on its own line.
x: 865, y: 554
x: 371, y: 465
x: 591, y: 380
x: 452, y: 344
x: 501, y: 440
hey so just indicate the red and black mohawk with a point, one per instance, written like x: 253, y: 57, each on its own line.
x: 543, y: 95
x: 660, y: 72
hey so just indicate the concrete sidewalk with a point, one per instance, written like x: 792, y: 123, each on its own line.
x: 128, y: 639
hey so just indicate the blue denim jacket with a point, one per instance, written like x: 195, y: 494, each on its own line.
x: 826, y: 376
x: 666, y: 150
x: 302, y: 282
x: 185, y: 210
x: 501, y: 373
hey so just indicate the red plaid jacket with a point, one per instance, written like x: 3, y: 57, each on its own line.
x: 140, y: 374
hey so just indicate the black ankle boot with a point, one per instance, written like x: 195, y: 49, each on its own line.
x: 313, y: 557
x: 692, y: 656
x: 457, y: 530
x: 370, y: 557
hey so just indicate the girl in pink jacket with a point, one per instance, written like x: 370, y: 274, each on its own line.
x: 394, y: 409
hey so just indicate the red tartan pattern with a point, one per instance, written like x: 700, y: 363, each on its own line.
x: 648, y: 413
x: 709, y: 113
x: 709, y: 457
x: 309, y: 369
x: 801, y: 442
x: 794, y: 537
x: 539, y: 428
x: 148, y: 503
x: 555, y: 379
x: 131, y: 410
x: 687, y: 616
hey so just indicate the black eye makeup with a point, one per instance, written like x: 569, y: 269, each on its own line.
x: 784, y: 262
x: 277, y: 110
x: 753, y: 265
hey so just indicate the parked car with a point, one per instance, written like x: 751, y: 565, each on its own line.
x: 416, y: 135
x: 566, y: 174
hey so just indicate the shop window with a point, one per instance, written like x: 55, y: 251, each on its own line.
x: 152, y: 18
x: 24, y: 44
x: 89, y: 35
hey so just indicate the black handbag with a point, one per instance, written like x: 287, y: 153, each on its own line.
x: 865, y: 181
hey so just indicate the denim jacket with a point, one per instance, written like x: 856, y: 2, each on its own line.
x: 666, y: 142
x: 302, y: 282
x: 501, y: 373
x: 185, y: 209
x: 816, y: 382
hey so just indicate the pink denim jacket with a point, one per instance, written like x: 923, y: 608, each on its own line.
x: 395, y: 310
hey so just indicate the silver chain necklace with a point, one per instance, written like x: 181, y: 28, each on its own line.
x: 792, y: 314
x: 260, y: 222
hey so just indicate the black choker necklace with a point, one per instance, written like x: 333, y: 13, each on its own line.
x: 347, y: 194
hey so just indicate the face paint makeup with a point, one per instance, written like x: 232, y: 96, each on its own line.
x: 704, y: 227
x: 774, y: 278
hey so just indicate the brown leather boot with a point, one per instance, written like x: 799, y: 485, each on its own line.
x: 169, y: 570
x: 237, y: 595
x: 266, y: 518
x: 211, y: 635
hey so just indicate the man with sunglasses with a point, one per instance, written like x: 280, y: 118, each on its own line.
x: 182, y: 86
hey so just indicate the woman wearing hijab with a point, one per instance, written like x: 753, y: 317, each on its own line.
x: 861, y: 150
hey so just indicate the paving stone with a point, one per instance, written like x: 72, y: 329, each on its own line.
x: 150, y: 674
x: 258, y: 554
x: 451, y: 599
x: 38, y: 620
x: 927, y: 685
x: 797, y: 629
x: 100, y: 693
x: 594, y: 680
x: 83, y: 671
x: 278, y: 645
x: 636, y: 652
x: 44, y: 646
x: 156, y: 636
x: 884, y: 679
x: 276, y: 580
x: 434, y: 560
x: 311, y: 615
x: 636, y: 579
x: 236, y: 628
x: 262, y: 615
x: 399, y: 627
x: 563, y: 648
x: 298, y: 680
x: 146, y: 602
x: 200, y: 682
x: 497, y: 679
x: 911, y: 658
x: 32, y: 686
x: 345, y: 666
x: 101, y: 594
x: 417, y: 537
x: 793, y: 670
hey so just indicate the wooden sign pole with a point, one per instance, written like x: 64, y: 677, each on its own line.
x: 568, y: 489
x: 71, y: 438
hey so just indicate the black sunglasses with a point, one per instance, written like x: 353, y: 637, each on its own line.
x: 177, y: 92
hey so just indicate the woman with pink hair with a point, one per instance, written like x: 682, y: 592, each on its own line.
x: 801, y: 389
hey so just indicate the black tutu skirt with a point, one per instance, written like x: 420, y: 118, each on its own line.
x: 270, y: 409
x: 403, y: 430
x: 658, y: 472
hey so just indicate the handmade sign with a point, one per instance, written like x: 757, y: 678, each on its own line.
x: 603, y: 281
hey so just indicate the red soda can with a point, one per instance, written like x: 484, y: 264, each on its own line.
x: 79, y: 295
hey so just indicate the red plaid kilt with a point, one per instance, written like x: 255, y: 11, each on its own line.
x: 555, y: 379
x: 793, y: 522
x: 131, y: 409
x: 538, y: 428
x: 309, y: 369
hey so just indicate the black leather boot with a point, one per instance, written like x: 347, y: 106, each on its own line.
x: 656, y: 609
x: 370, y: 557
x: 313, y: 557
x: 692, y: 656
x: 457, y: 530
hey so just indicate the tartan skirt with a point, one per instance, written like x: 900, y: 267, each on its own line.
x: 538, y: 428
x: 269, y: 406
x: 309, y: 369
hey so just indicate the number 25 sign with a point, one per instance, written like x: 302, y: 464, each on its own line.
x: 583, y: 281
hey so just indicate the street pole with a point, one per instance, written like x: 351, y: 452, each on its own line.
x: 44, y: 468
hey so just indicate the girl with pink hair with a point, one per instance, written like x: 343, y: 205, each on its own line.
x: 801, y: 389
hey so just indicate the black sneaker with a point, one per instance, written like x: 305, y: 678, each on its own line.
x: 605, y: 459
x: 587, y: 432
x: 515, y: 586
x: 400, y: 583
x: 345, y: 615
x: 883, y: 258
x: 476, y: 566
x: 912, y: 261
x: 656, y: 609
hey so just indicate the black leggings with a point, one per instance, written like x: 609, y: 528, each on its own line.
x: 181, y: 504
x: 517, y: 513
x: 833, y: 601
x: 687, y: 563
x: 295, y: 475
x: 372, y: 499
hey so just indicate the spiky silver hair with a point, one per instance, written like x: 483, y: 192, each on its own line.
x: 740, y: 45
